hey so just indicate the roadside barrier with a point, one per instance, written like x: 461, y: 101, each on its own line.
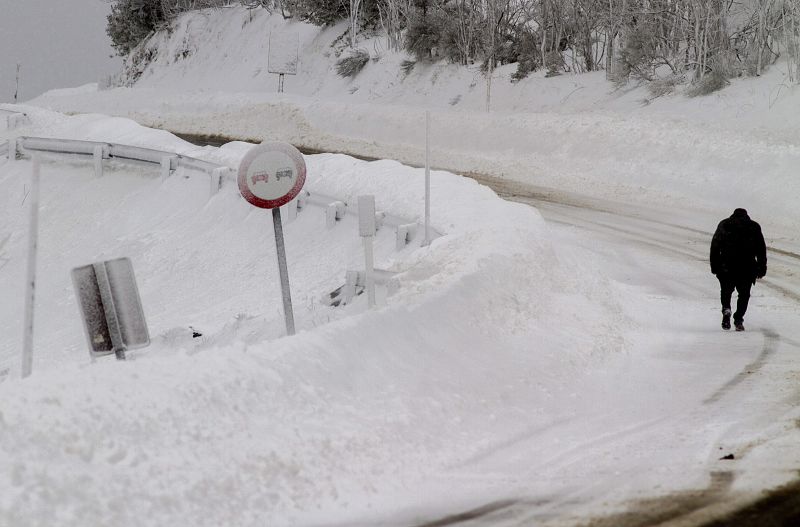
x: 335, y: 208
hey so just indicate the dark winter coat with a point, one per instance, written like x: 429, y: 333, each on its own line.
x: 738, y: 249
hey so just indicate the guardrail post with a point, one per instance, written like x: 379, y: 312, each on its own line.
x: 351, y: 282
x: 302, y: 199
x: 97, y: 157
x: 380, y: 217
x: 216, y: 179
x: 14, y: 120
x: 166, y: 167
x: 291, y: 210
x: 334, y: 212
x: 405, y: 233
x: 12, y: 149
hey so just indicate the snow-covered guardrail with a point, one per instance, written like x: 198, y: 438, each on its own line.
x: 12, y: 119
x: 170, y: 161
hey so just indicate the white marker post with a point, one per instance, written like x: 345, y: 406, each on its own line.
x: 30, y: 280
x: 272, y: 175
x: 366, y: 229
x: 427, y: 239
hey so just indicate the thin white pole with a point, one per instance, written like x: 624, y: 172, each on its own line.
x: 427, y: 240
x: 369, y: 269
x: 30, y: 281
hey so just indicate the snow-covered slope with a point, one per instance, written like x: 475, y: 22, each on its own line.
x: 737, y: 147
x: 337, y: 409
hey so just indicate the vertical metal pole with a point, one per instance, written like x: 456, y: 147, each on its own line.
x: 427, y: 240
x: 369, y: 268
x: 97, y: 155
x: 16, y: 86
x: 283, y: 271
x: 30, y: 282
x: 110, y: 310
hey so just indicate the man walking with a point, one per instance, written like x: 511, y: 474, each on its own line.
x: 738, y: 258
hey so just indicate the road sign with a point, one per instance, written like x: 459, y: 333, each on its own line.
x: 271, y: 175
x: 111, y: 308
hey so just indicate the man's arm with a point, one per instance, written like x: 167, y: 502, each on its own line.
x: 714, y: 257
x: 761, y: 254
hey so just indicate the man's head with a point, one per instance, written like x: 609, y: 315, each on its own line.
x: 739, y: 213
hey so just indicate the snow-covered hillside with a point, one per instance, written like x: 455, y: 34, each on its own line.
x: 571, y: 133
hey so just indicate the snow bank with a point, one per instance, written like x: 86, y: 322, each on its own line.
x: 243, y: 427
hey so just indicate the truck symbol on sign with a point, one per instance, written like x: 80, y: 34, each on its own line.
x: 282, y: 173
x: 260, y: 176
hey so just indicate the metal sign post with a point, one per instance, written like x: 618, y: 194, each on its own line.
x: 272, y: 175
x: 30, y: 281
x: 283, y: 271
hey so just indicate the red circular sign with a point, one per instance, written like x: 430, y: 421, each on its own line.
x: 271, y: 174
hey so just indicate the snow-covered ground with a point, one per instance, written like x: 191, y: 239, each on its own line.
x: 551, y: 369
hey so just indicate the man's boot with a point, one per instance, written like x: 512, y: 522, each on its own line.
x: 726, y: 319
x: 739, y: 325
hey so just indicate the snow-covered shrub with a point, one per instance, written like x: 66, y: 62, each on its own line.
x: 527, y: 55
x: 554, y: 62
x: 319, y: 12
x: 408, y: 66
x: 422, y: 37
x: 350, y: 66
x: 664, y: 85
x: 131, y: 21
x: 711, y: 82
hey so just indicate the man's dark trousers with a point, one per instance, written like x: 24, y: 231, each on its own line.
x: 729, y: 282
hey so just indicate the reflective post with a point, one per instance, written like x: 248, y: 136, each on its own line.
x: 30, y: 280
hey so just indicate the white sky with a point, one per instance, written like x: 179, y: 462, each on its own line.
x: 59, y: 44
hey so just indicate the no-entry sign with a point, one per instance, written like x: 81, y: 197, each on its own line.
x: 271, y: 175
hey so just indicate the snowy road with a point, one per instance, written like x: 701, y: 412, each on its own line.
x: 685, y: 396
x: 603, y: 393
x: 739, y: 393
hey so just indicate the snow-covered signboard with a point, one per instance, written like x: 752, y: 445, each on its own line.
x: 271, y: 175
x: 112, y: 311
x: 283, y: 52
